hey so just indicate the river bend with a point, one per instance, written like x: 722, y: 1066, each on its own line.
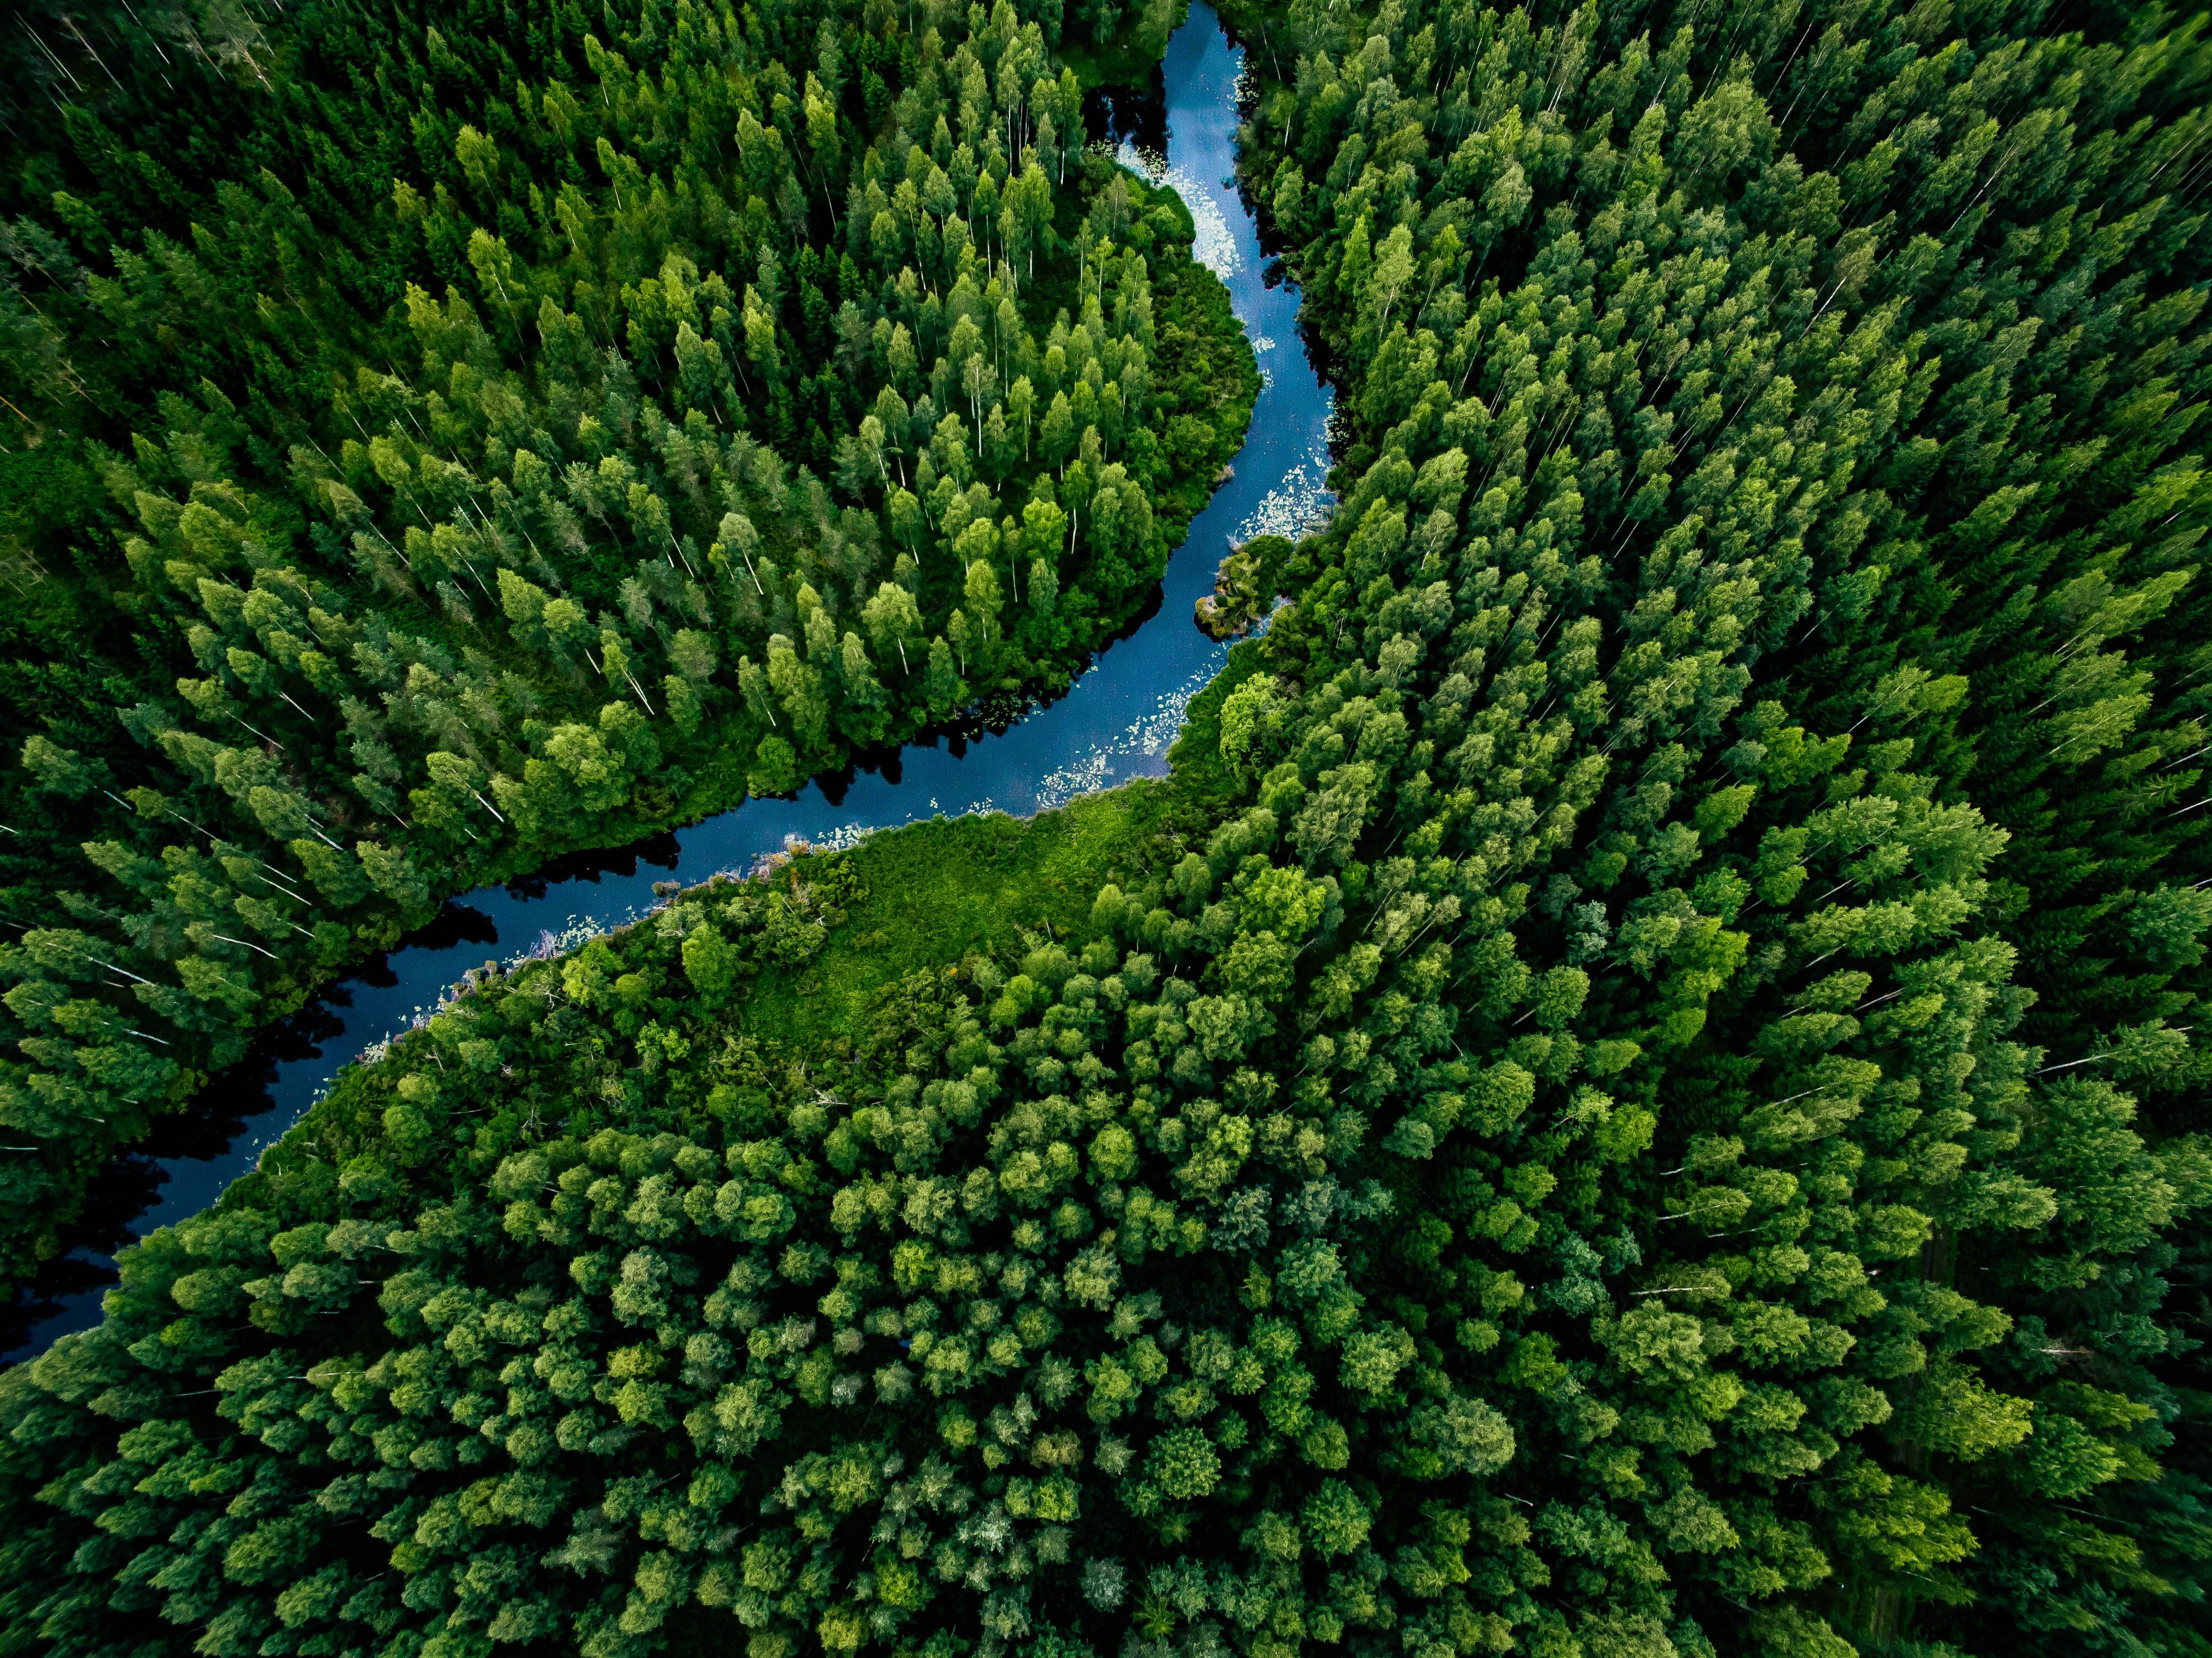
x: 1115, y: 724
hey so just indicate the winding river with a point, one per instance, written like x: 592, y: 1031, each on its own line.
x: 1115, y: 724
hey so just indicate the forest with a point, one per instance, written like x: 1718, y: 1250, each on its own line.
x: 525, y: 448
x: 1634, y: 1095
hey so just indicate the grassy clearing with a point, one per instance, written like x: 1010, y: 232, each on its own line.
x: 951, y: 888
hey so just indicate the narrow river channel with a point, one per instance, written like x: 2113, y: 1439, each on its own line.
x: 1115, y: 724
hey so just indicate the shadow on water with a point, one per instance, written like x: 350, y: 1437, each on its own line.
x: 661, y: 851
x: 1115, y: 115
x: 1114, y: 723
x: 189, y: 1151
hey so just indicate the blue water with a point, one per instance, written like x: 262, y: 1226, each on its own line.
x: 1115, y: 724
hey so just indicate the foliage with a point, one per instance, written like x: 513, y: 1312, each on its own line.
x: 1653, y: 1117
x: 1068, y: 1252
x: 466, y: 440
x: 1734, y: 231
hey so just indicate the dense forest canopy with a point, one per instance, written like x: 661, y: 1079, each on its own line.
x: 481, y: 440
x: 1647, y: 1102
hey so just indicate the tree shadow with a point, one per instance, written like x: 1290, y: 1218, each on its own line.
x: 1138, y: 113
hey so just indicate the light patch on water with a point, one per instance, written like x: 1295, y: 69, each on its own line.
x: 581, y: 931
x: 1262, y: 344
x: 1145, y: 739
x: 1302, y: 501
x: 843, y: 838
x: 1213, y: 245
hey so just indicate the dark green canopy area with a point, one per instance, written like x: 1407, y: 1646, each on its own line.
x: 1639, y: 1092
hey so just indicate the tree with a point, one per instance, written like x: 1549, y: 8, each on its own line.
x: 801, y: 689
x: 942, y: 683
x: 392, y: 874
x: 983, y: 602
x: 892, y: 618
x: 774, y: 769
x: 710, y: 961
x: 865, y: 699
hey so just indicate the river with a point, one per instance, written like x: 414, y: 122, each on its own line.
x: 1115, y: 724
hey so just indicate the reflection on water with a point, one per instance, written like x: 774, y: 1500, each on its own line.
x: 1115, y: 722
